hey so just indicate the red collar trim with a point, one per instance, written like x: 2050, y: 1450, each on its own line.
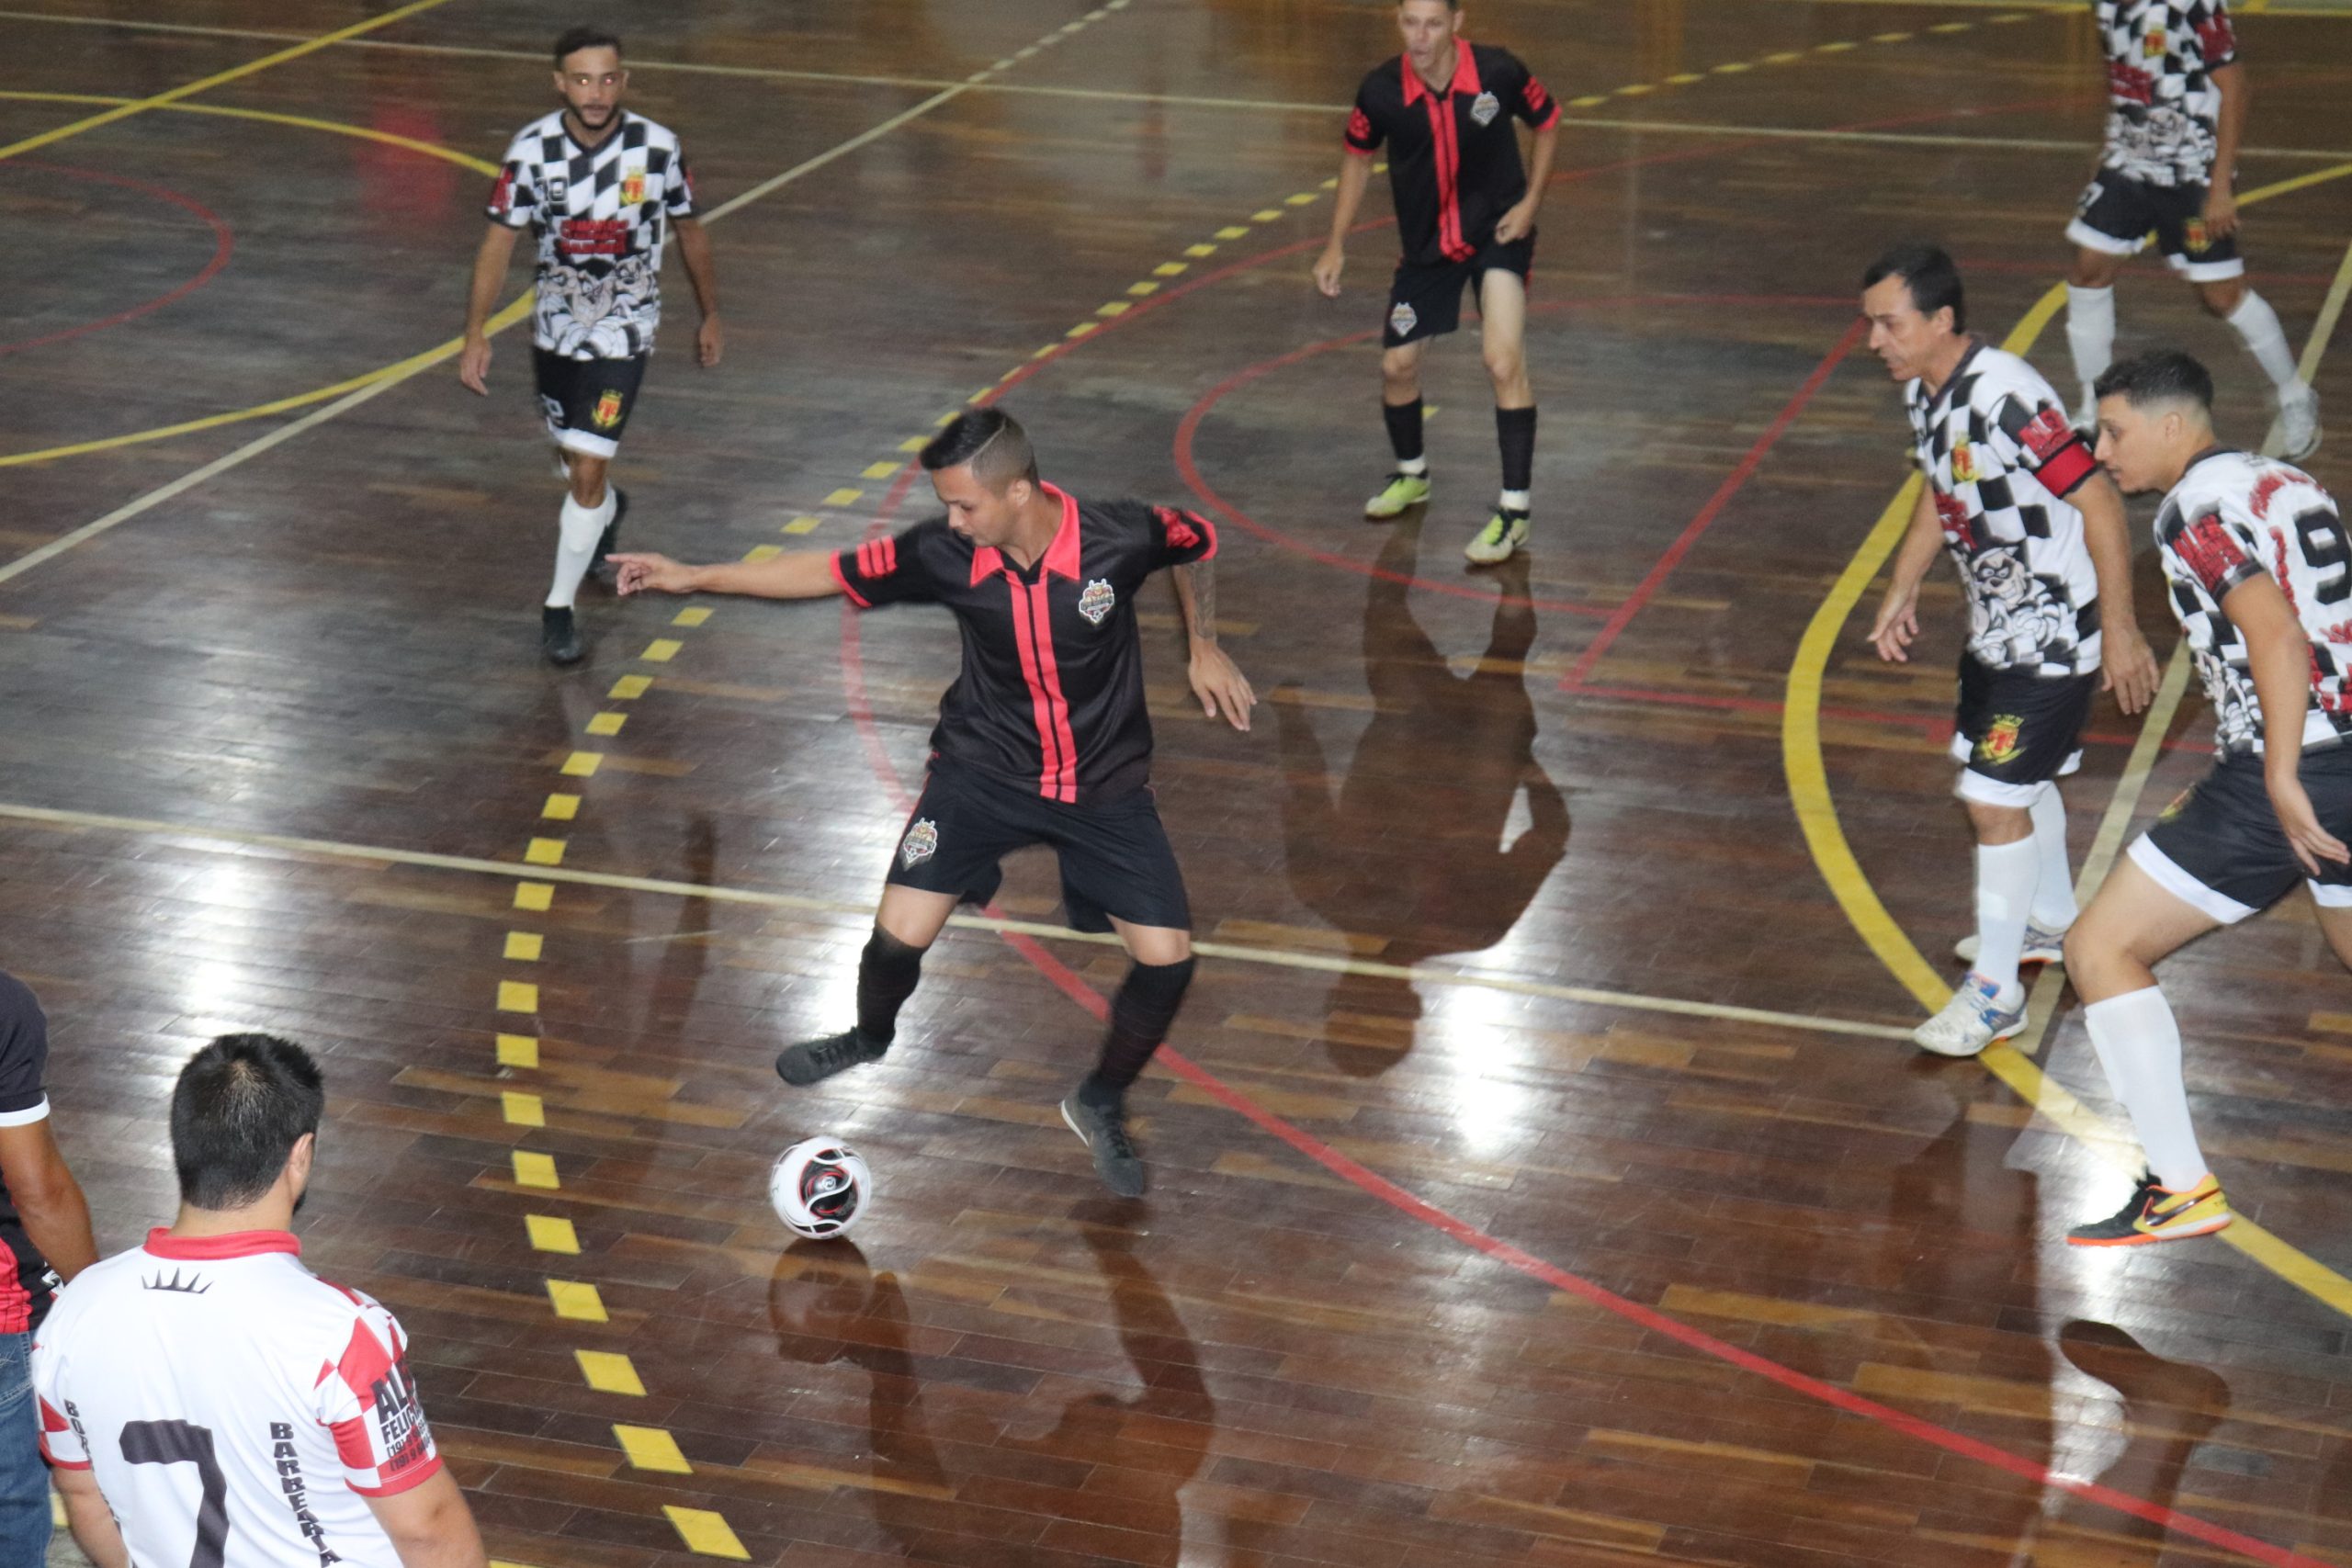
x: 1466, y: 75
x: 162, y: 1242
x: 1061, y: 556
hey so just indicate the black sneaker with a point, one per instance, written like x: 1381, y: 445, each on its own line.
x: 1104, y: 1133
x: 603, y: 571
x: 813, y: 1061
x: 559, y: 634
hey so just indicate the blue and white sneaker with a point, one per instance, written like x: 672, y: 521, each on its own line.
x: 1972, y: 1019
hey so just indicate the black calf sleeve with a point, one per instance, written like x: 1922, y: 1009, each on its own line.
x: 1404, y: 422
x: 1146, y: 1006
x: 886, y: 972
x: 1515, y: 434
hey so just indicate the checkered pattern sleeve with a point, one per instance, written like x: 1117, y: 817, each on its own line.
x: 2217, y: 39
x: 2036, y: 437
x: 898, y: 569
x: 1181, y: 538
x: 514, y: 200
x: 1531, y: 100
x: 678, y: 197
x: 368, y: 1402
x: 2219, y: 550
x: 1365, y: 133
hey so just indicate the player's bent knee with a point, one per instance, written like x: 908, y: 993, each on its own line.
x: 2221, y: 296
x: 1157, y: 945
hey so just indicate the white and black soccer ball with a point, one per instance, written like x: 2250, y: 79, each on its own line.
x: 820, y: 1187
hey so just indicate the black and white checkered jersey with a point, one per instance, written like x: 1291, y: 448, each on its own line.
x: 2162, y: 105
x: 601, y: 215
x: 2235, y: 515
x: 2000, y: 460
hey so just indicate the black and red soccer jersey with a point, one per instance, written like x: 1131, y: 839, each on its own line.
x: 1454, y: 161
x: 1051, y: 692
x: 24, y: 1056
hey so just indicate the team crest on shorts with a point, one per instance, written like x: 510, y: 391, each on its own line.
x: 920, y: 843
x: 2194, y: 234
x: 2000, y: 742
x: 1096, y: 602
x: 633, y: 188
x: 608, y: 409
x: 1402, y: 320
x: 1484, y: 107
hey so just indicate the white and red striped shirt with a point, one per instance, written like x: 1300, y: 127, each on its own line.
x: 236, y: 1409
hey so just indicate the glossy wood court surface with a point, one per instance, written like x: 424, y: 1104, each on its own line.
x: 1545, y: 1178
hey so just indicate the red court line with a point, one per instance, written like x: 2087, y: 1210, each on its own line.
x: 1733, y: 483
x: 223, y: 242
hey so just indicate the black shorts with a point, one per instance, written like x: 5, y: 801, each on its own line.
x: 1425, y: 300
x: 2220, y: 848
x: 2116, y: 212
x: 1116, y: 859
x: 2016, y: 732
x: 588, y: 401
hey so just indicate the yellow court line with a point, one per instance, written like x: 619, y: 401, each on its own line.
x: 1806, y: 769
x: 379, y: 857
x: 219, y: 78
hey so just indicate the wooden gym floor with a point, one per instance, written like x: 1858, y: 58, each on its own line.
x: 1544, y: 1179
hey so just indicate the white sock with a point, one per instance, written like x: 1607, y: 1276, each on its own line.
x: 2139, y: 1045
x: 1517, y: 501
x: 2006, y: 874
x: 2257, y: 323
x: 2053, y: 906
x: 575, y: 550
x: 1416, y: 466
x: 2090, y: 333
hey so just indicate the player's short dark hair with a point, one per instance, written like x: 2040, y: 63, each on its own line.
x: 574, y: 39
x: 991, y: 441
x: 241, y: 1105
x: 2159, y: 376
x: 1929, y: 274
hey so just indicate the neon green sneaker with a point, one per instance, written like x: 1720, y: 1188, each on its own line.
x: 1505, y: 532
x: 1401, y: 493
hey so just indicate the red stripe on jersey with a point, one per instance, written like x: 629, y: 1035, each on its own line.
x: 888, y: 555
x: 841, y: 577
x: 1447, y: 153
x: 1041, y: 699
x: 1065, y: 779
x: 366, y: 1362
x: 351, y: 1444
x: 15, y: 1301
x: 2066, y: 468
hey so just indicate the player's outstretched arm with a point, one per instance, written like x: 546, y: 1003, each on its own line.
x: 803, y: 574
x: 1898, y: 614
x: 1355, y: 174
x: 89, y: 1519
x: 430, y: 1524
x: 490, y: 276
x: 2127, y: 667
x: 2278, y: 657
x: 1217, y: 680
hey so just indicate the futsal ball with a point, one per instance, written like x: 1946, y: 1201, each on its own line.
x: 820, y: 1187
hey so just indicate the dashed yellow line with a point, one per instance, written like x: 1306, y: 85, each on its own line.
x: 525, y: 946
x: 577, y: 1303
x: 517, y: 996
x: 705, y: 1532
x: 551, y: 1234
x: 522, y: 1110
x: 560, y: 807
x: 608, y: 1371
x: 543, y: 852
x: 535, y: 896
x: 652, y: 1448
x: 518, y: 1050
x: 536, y: 1170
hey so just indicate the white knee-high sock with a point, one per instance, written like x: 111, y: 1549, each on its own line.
x: 2090, y: 333
x: 575, y: 550
x: 2006, y: 874
x: 2139, y: 1045
x: 2053, y: 906
x: 2257, y: 324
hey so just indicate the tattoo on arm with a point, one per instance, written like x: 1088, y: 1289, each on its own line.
x: 1200, y: 578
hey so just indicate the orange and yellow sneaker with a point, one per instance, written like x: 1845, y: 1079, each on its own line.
x: 2156, y: 1213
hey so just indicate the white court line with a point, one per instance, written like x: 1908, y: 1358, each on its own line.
x: 1176, y: 100
x: 424, y: 362
x: 378, y: 855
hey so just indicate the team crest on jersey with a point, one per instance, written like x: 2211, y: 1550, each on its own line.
x: 920, y: 843
x: 2000, y: 742
x: 558, y: 189
x: 2153, y: 46
x: 1963, y: 464
x: 1484, y: 107
x: 1402, y: 320
x: 608, y: 409
x: 1096, y: 602
x: 633, y: 188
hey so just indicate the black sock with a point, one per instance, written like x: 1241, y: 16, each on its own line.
x: 1515, y: 433
x: 1404, y: 422
x: 1140, y: 1015
x: 886, y: 972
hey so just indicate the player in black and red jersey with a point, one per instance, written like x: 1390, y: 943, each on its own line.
x: 1465, y: 214
x: 1043, y: 740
